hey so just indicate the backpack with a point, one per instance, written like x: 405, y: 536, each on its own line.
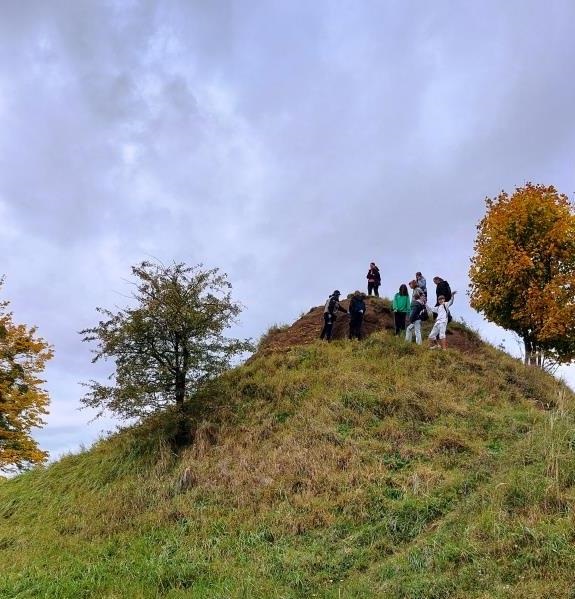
x: 356, y: 305
x: 423, y: 315
x: 331, y: 307
x: 449, y: 317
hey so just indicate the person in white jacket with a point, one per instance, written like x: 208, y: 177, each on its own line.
x: 440, y: 326
x: 417, y: 313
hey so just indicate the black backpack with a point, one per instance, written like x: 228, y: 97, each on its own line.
x: 423, y: 315
x: 331, y: 307
x: 449, y: 317
x: 356, y: 305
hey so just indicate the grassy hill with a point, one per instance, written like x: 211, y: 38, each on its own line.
x: 372, y: 469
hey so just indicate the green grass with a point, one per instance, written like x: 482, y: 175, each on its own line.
x: 372, y: 469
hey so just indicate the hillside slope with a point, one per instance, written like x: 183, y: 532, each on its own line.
x: 372, y: 469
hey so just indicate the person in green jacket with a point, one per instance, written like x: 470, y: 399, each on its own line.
x: 400, y: 307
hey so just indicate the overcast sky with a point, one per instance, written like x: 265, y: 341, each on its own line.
x: 289, y: 143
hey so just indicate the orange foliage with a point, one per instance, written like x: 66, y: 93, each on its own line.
x: 523, y: 271
x: 22, y: 400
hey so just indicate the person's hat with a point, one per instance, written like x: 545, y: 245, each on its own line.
x: 336, y: 292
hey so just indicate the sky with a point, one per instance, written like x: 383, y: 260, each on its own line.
x: 288, y: 143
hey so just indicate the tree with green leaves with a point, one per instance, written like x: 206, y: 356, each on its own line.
x: 23, y: 401
x: 168, y: 344
x: 523, y: 271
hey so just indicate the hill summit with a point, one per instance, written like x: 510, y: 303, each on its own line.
x: 370, y: 469
x: 378, y: 317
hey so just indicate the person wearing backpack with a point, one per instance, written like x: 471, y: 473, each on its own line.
x: 439, y: 329
x: 356, y: 312
x: 373, y: 279
x: 416, y: 316
x: 400, y: 307
x: 332, y: 306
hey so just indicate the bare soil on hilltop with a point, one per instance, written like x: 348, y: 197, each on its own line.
x: 378, y: 317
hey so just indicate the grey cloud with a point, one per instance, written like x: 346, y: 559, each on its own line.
x: 289, y: 143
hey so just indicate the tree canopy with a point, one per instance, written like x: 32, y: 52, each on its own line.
x: 523, y: 271
x: 168, y: 344
x: 23, y: 402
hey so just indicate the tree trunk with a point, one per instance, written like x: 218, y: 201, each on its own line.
x: 180, y: 389
x: 534, y: 355
x: 183, y: 435
x: 528, y: 349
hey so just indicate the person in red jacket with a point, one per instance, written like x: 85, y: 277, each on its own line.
x: 373, y: 279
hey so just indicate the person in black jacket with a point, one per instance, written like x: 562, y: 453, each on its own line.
x: 330, y: 309
x: 373, y: 279
x: 417, y: 314
x: 356, y: 312
x: 442, y: 288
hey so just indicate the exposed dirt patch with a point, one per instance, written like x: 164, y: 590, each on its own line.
x: 378, y: 317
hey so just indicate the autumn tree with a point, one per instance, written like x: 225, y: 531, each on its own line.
x: 523, y: 271
x: 23, y: 402
x: 168, y: 344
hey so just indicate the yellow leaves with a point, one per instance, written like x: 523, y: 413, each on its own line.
x: 523, y: 271
x: 22, y: 400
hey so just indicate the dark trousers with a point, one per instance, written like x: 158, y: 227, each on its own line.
x: 373, y: 287
x: 399, y: 321
x: 328, y: 320
x: 355, y: 325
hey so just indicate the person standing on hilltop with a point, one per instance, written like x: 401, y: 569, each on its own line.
x: 400, y: 307
x: 439, y: 329
x: 421, y: 282
x: 416, y: 291
x: 442, y: 288
x: 356, y: 312
x: 417, y: 314
x: 373, y: 279
x: 332, y: 306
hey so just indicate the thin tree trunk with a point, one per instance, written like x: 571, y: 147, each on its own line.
x: 180, y: 389
x: 527, y: 357
x: 182, y: 432
x: 534, y: 355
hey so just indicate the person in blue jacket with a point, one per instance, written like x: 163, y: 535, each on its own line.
x: 356, y: 312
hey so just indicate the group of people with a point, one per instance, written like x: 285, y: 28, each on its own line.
x: 415, y: 309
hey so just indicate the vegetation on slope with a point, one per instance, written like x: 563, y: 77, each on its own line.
x: 331, y: 470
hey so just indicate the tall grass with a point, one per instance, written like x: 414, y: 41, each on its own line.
x: 372, y: 469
